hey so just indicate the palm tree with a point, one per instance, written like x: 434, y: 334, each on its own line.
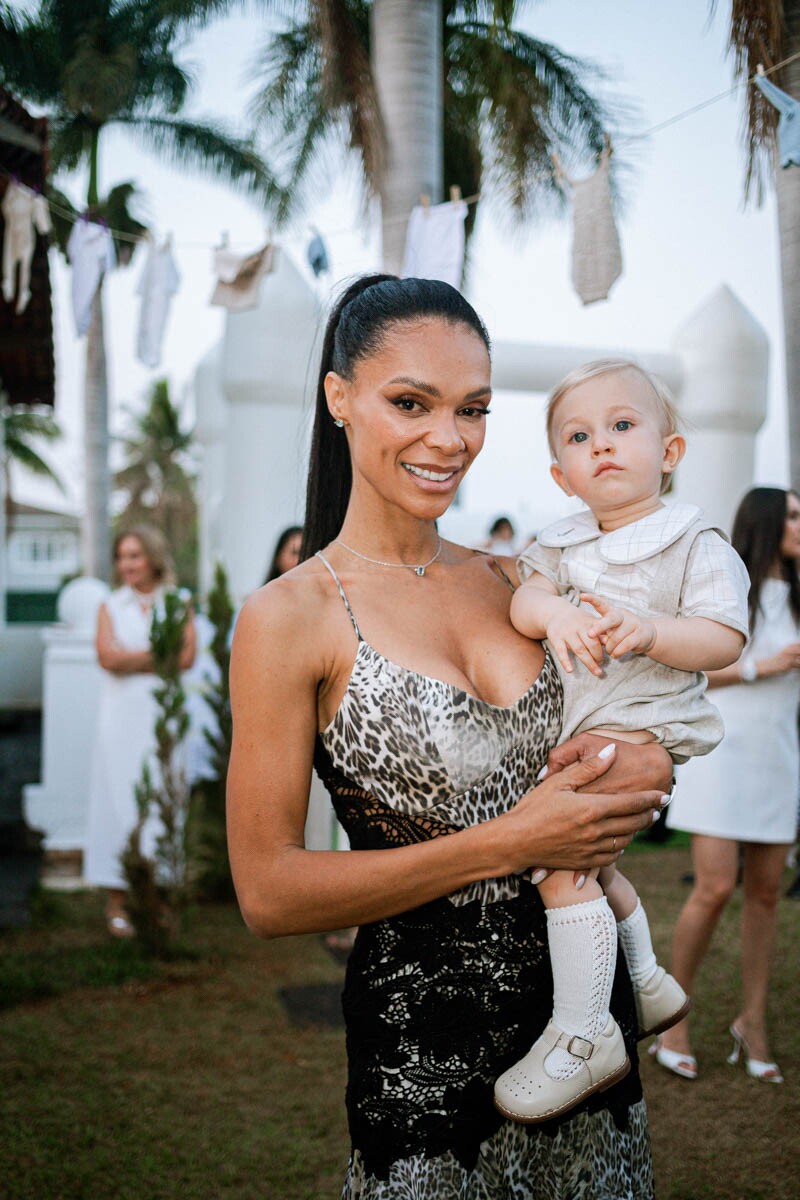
x: 90, y: 65
x: 22, y: 428
x: 425, y: 92
x: 767, y: 32
x: 157, y: 479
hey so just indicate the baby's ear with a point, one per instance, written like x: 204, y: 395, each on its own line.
x: 560, y: 478
x: 674, y: 450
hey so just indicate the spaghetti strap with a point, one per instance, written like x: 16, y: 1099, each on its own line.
x: 496, y: 569
x: 336, y: 580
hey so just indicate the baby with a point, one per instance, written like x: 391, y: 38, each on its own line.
x: 635, y: 599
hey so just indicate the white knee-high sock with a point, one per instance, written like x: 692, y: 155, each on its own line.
x: 583, y: 953
x: 637, y: 946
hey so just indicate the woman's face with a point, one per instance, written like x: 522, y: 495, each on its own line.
x: 133, y: 566
x: 415, y: 413
x: 790, y: 542
x: 289, y: 554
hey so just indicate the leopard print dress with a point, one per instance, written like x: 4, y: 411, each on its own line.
x: 438, y: 1001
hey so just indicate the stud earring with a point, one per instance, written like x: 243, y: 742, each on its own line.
x: 339, y: 423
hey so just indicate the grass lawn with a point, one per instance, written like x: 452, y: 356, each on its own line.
x: 124, y: 1081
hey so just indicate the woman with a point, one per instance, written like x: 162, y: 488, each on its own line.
x: 737, y: 797
x: 431, y: 765
x: 127, y: 710
x: 286, y: 554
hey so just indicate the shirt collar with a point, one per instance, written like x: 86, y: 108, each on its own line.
x: 631, y: 543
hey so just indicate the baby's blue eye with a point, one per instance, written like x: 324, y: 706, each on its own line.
x: 579, y: 437
x: 621, y: 426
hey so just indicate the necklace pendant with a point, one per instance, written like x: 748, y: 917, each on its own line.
x: 419, y: 571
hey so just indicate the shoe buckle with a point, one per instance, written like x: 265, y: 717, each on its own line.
x: 580, y: 1047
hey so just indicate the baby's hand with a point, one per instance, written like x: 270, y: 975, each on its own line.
x: 619, y: 630
x: 569, y: 629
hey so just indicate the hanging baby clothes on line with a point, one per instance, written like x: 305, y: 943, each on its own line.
x: 435, y: 242
x: 24, y: 211
x: 239, y: 277
x: 788, y: 122
x: 90, y: 250
x: 596, y: 253
x: 157, y: 285
x: 317, y: 255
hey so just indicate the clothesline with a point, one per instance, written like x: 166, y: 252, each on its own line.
x: 121, y: 235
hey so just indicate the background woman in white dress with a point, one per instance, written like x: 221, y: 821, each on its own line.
x: 125, y: 725
x: 744, y: 794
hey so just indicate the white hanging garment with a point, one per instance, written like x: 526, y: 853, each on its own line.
x: 157, y: 285
x: 24, y: 211
x: 239, y: 277
x: 596, y: 253
x: 435, y: 242
x: 90, y: 249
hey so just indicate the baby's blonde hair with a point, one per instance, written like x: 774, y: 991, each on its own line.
x: 670, y: 421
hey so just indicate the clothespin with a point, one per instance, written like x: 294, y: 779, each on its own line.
x: 425, y: 201
x: 455, y: 193
x: 760, y: 69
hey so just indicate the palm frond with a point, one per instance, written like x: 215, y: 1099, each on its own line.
x: 21, y: 423
x: 20, y: 427
x: 68, y: 141
x: 30, y: 56
x: 115, y: 209
x: 62, y: 224
x: 532, y: 101
x: 347, y: 82
x: 757, y: 34
x: 314, y: 83
x: 206, y: 147
x: 160, y: 84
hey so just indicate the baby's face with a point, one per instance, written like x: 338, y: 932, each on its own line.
x: 609, y: 442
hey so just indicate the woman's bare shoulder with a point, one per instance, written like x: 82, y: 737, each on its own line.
x: 286, y: 611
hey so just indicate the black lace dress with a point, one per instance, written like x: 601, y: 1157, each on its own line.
x: 438, y: 1001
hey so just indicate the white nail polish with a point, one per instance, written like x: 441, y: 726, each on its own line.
x: 539, y: 875
x: 543, y: 773
x: 664, y: 800
x: 579, y: 882
x: 608, y: 750
x: 656, y: 816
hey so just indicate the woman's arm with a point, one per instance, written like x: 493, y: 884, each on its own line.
x: 749, y: 669
x: 113, y: 657
x: 279, y: 663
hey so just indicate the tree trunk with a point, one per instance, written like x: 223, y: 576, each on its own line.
x: 407, y: 65
x: 787, y: 186
x: 95, y: 532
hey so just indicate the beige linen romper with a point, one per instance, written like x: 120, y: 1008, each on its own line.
x: 670, y: 563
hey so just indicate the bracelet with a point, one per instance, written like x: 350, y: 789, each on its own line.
x: 748, y: 670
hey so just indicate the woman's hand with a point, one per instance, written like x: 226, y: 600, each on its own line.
x: 787, y: 659
x: 634, y: 767
x: 560, y: 825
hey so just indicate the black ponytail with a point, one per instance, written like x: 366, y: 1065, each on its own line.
x: 357, y: 328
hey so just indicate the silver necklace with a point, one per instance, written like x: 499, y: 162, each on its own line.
x: 417, y: 568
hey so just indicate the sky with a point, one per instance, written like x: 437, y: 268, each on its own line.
x: 684, y: 231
